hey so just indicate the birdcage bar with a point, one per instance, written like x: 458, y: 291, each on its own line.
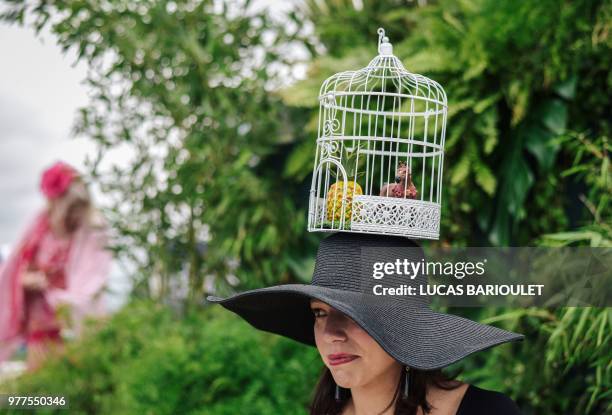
x: 388, y: 94
x: 441, y: 164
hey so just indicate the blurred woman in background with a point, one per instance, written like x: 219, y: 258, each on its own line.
x: 55, y: 274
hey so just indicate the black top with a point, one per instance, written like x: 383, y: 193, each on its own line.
x: 477, y: 401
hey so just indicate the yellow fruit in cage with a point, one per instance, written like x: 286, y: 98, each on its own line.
x: 335, y: 197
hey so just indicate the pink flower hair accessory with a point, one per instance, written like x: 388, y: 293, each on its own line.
x: 56, y: 179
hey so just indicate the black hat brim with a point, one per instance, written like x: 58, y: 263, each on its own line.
x: 415, y: 336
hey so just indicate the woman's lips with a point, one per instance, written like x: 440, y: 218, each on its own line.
x: 341, y: 358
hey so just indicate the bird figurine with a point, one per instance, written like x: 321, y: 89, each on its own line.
x: 403, y: 186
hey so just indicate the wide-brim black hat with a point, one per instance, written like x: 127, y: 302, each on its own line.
x: 404, y: 325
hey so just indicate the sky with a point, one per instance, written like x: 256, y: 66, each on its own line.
x: 40, y: 91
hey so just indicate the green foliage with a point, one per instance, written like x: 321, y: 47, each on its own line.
x: 563, y: 366
x: 222, y: 157
x: 591, y: 164
x: 148, y: 361
x: 222, y: 154
x: 184, y: 90
x: 523, y: 159
x: 334, y: 19
x: 518, y: 77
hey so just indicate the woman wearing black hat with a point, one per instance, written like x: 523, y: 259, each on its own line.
x: 383, y: 354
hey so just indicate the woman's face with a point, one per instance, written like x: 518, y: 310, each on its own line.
x: 354, y: 358
x: 68, y: 212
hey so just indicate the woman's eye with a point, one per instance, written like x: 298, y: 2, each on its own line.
x: 318, y: 313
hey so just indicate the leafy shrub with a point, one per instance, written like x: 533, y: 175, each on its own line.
x: 148, y: 361
x: 562, y: 367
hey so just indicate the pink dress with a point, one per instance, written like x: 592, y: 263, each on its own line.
x: 39, y: 318
x: 76, y: 270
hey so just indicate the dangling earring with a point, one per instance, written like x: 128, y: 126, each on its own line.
x: 337, y: 396
x: 406, y: 383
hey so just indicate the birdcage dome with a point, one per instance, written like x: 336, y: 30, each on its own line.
x: 380, y: 151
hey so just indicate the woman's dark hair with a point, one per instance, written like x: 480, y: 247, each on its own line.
x: 324, y: 402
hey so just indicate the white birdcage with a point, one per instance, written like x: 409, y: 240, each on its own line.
x: 380, y: 151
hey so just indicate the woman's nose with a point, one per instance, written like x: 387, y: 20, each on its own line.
x: 335, y: 327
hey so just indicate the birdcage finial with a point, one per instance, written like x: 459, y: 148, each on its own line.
x: 384, y: 47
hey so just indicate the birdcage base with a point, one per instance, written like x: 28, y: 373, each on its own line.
x: 389, y: 215
x: 383, y: 215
